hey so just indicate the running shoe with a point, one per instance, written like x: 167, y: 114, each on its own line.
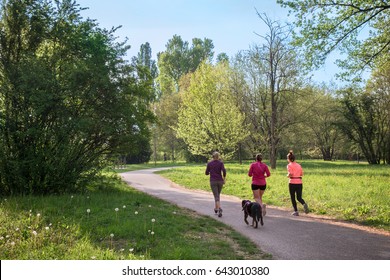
x: 306, y: 208
x: 220, y: 212
x: 295, y: 213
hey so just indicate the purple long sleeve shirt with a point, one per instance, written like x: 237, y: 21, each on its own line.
x: 216, y: 169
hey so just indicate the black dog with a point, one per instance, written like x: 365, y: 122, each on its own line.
x: 252, y: 209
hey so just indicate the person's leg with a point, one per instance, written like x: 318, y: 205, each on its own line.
x: 256, y: 195
x: 220, y: 186
x: 291, y: 188
x: 219, y: 189
x: 299, y: 194
x: 215, y: 189
x: 300, y: 199
x: 261, y: 192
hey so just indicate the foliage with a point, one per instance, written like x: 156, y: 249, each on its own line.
x: 360, y: 123
x: 209, y: 119
x: 325, y: 26
x: 180, y: 59
x: 379, y: 86
x: 321, y: 118
x: 175, y: 63
x: 67, y: 98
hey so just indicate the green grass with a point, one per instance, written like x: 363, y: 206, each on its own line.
x: 158, y: 164
x: 355, y: 192
x: 121, y: 223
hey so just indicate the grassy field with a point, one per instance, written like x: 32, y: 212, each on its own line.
x: 350, y: 191
x: 113, y: 221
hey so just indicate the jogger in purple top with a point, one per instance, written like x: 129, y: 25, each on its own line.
x: 216, y: 169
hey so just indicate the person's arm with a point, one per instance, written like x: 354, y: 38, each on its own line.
x: 250, y: 172
x: 267, y: 173
x: 223, y: 172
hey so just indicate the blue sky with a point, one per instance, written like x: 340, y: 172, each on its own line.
x: 230, y: 24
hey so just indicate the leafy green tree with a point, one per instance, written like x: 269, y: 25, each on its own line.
x: 324, y: 26
x: 179, y: 59
x: 321, y: 118
x: 209, y: 119
x: 360, y: 122
x: 379, y: 87
x: 68, y: 100
x: 146, y: 66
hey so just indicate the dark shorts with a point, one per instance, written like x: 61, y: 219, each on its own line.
x: 257, y: 187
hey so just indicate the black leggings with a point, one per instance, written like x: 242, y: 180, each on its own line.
x: 296, y: 188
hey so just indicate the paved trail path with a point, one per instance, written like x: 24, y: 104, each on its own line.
x: 284, y: 236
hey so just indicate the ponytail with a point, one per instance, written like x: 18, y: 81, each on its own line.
x: 291, y: 156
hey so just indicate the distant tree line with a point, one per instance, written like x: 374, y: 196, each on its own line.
x: 261, y: 100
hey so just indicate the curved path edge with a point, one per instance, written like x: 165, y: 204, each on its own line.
x: 307, y: 237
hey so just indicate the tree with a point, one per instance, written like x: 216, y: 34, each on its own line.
x: 68, y: 100
x: 322, y: 118
x: 325, y: 26
x: 209, y: 119
x: 379, y: 86
x: 180, y: 59
x: 144, y: 61
x: 360, y: 122
x: 273, y: 85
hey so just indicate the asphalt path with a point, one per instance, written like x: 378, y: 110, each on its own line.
x: 286, y: 237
